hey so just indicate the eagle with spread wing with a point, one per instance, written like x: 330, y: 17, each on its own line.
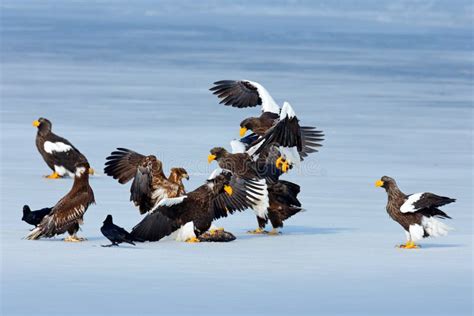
x: 68, y: 213
x: 274, y: 126
x: 150, y: 185
x: 223, y: 193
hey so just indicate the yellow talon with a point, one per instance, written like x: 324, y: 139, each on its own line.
x: 274, y: 232
x: 74, y: 239
x: 54, y: 175
x: 279, y: 162
x: 192, y: 240
x: 257, y: 231
x: 215, y: 230
x: 228, y: 189
x: 409, y: 245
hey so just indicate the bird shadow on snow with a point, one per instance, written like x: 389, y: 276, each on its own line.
x: 303, y: 230
x: 434, y: 246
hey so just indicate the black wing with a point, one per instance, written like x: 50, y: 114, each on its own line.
x: 141, y: 189
x: 154, y: 227
x: 311, y: 138
x: 285, y: 192
x: 122, y: 164
x: 239, y: 94
x: 428, y: 200
x: 67, y: 159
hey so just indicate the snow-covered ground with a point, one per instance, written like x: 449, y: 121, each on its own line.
x: 390, y: 83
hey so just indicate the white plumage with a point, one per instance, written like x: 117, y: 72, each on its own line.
x: 268, y: 104
x: 408, y: 206
x: 51, y: 147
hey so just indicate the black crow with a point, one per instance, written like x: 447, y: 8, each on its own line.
x: 34, y: 217
x: 114, y: 233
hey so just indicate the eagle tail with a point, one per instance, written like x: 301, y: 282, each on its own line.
x: 35, y: 234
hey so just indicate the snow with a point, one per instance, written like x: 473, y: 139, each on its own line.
x: 392, y: 92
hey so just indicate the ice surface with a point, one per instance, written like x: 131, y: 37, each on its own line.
x: 389, y: 82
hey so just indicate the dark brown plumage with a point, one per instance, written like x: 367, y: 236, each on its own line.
x: 68, y: 213
x: 58, y: 153
x: 222, y: 195
x: 416, y: 213
x: 241, y: 163
x: 237, y: 93
x: 150, y: 185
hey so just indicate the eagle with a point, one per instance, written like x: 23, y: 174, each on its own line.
x: 114, y: 233
x: 58, y: 153
x: 274, y: 126
x: 192, y: 214
x: 279, y: 201
x: 68, y: 213
x: 417, y: 213
x: 150, y: 185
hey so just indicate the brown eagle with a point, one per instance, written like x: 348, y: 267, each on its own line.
x: 192, y: 214
x: 58, y: 153
x: 150, y: 185
x: 416, y: 213
x: 274, y: 126
x: 68, y: 213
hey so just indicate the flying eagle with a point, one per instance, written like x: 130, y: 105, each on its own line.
x: 68, y: 213
x: 273, y: 126
x: 223, y: 193
x: 114, y: 233
x: 150, y: 185
x: 279, y: 201
x: 58, y: 153
x: 416, y: 213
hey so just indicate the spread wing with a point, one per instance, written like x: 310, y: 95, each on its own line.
x: 244, y: 93
x: 122, y: 164
x: 154, y: 227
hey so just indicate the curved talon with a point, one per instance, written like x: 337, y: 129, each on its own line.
x: 285, y: 166
x: 409, y: 245
x: 74, y: 239
x: 192, y: 240
x: 274, y: 232
x: 216, y: 230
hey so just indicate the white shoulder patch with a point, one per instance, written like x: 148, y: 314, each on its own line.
x: 237, y: 146
x: 49, y: 147
x: 169, y: 202
x: 268, y: 104
x: 214, y: 173
x: 287, y: 111
x: 408, y: 207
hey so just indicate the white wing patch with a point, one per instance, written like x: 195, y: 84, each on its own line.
x: 169, y: 202
x: 408, y: 207
x: 290, y: 154
x: 237, y: 146
x: 268, y: 104
x: 261, y: 202
x: 50, y: 147
x: 287, y: 111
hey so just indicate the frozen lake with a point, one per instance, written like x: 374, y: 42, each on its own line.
x: 389, y: 82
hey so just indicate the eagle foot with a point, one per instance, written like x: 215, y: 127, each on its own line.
x: 258, y: 231
x: 279, y: 162
x: 409, y: 245
x: 274, y: 232
x: 192, y: 240
x: 285, y: 166
x: 74, y: 239
x: 54, y: 175
x: 216, y: 230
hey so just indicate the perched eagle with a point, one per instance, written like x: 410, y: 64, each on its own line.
x: 150, y: 185
x: 274, y: 126
x: 279, y: 201
x: 68, y: 213
x: 114, y: 233
x: 58, y: 153
x: 34, y: 217
x: 223, y: 193
x: 416, y: 213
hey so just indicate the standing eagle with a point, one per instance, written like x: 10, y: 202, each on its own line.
x: 68, y: 213
x: 416, y: 213
x: 279, y: 201
x: 150, y: 185
x: 274, y: 126
x: 58, y: 153
x: 223, y: 193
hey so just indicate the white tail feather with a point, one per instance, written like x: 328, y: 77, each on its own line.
x: 434, y: 227
x: 34, y: 234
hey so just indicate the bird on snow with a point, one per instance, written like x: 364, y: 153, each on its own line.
x: 274, y: 126
x: 279, y: 201
x: 68, y: 213
x: 58, y: 153
x: 34, y: 217
x: 417, y: 213
x: 150, y: 185
x: 114, y: 233
x: 192, y: 214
